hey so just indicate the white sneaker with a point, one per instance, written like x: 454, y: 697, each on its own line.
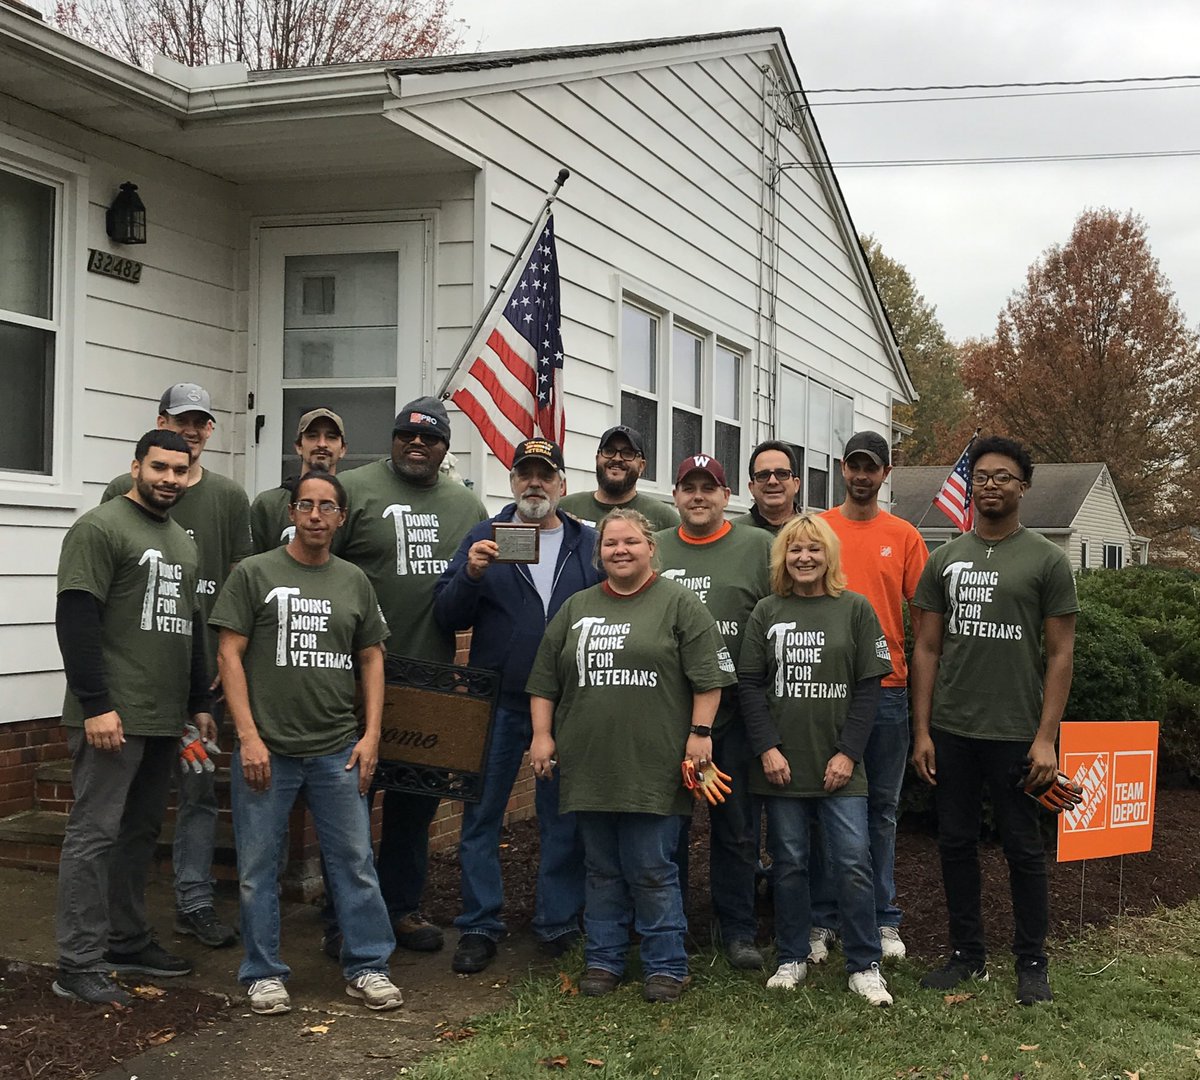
x: 788, y: 976
x: 871, y: 985
x: 889, y: 941
x: 375, y: 990
x: 269, y: 996
x: 820, y: 940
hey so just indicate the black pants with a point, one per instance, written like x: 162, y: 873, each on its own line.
x: 964, y: 767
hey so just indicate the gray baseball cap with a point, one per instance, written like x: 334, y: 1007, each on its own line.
x: 185, y: 397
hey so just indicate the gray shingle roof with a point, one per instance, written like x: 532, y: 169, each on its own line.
x: 1052, y: 502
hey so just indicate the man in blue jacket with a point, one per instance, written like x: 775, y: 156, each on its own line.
x: 507, y: 605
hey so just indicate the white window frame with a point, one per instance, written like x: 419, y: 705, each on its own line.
x: 1119, y: 559
x: 835, y: 451
x: 61, y: 486
x: 670, y: 313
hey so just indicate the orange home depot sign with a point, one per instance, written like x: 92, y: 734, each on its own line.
x: 1115, y: 764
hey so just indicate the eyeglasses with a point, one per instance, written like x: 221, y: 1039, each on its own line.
x: 980, y: 479
x: 326, y: 506
x: 428, y: 438
x: 763, y: 475
x: 626, y: 453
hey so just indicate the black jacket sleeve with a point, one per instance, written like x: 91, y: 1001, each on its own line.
x: 860, y: 720
x: 199, y: 695
x: 77, y: 621
x: 752, y: 696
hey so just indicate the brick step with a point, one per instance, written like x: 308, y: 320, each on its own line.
x: 52, y: 788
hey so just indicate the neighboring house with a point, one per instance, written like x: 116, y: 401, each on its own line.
x: 326, y: 236
x: 1075, y: 505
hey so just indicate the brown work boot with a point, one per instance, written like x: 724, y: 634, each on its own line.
x: 663, y: 988
x: 597, y: 982
x: 417, y: 933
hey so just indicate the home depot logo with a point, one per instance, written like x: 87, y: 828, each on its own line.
x: 1117, y: 789
x: 1092, y: 776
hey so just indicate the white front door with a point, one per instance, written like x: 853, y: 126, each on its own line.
x: 341, y: 325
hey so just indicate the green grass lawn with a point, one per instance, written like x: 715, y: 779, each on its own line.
x: 1136, y: 1018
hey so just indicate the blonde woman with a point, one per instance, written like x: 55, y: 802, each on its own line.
x: 809, y: 680
x: 627, y: 672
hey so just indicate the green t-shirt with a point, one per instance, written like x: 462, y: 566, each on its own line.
x: 989, y: 680
x: 403, y: 537
x: 730, y: 575
x: 623, y: 670
x: 305, y: 623
x: 812, y: 651
x: 270, y: 526
x: 216, y: 514
x: 584, y: 506
x: 143, y: 572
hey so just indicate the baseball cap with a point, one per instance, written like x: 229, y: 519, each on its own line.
x: 634, y: 437
x: 185, y: 397
x: 710, y: 466
x: 423, y: 415
x: 540, y: 450
x: 871, y: 443
x: 307, y: 420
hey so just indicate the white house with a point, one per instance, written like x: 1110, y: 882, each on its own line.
x: 327, y: 236
x: 1074, y: 504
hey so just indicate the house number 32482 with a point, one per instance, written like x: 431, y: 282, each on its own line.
x: 110, y: 265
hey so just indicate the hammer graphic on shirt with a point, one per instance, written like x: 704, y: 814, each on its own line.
x: 280, y: 595
x: 584, y: 626
x: 779, y: 633
x: 151, y: 556
x: 396, y: 512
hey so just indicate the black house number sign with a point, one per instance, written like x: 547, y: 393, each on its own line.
x: 114, y: 266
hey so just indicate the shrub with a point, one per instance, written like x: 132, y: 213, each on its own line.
x: 1116, y: 676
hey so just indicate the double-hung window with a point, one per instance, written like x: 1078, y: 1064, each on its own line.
x: 816, y: 419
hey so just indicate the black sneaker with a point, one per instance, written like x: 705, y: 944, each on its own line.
x: 744, y: 955
x: 204, y: 925
x: 1033, y: 984
x: 331, y: 944
x: 473, y: 953
x: 90, y: 987
x: 152, y: 960
x: 417, y: 933
x: 562, y: 944
x: 954, y: 972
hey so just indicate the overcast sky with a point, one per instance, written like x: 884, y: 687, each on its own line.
x: 967, y: 233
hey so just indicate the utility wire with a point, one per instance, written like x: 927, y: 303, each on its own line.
x: 1016, y: 159
x: 996, y: 86
x: 999, y: 97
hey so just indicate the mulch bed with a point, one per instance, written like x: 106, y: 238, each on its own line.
x: 44, y: 1037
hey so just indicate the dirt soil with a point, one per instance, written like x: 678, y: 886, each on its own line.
x: 188, y: 1031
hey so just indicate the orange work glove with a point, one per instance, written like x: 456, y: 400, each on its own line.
x: 706, y: 783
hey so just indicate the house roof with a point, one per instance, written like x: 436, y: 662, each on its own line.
x: 1053, y: 500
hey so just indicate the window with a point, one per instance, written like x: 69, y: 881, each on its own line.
x: 1085, y: 554
x: 817, y: 420
x: 681, y: 387
x: 1114, y: 556
x: 29, y: 314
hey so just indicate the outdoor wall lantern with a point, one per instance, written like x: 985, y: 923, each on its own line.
x: 125, y: 220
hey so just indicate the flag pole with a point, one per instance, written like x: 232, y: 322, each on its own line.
x: 444, y: 391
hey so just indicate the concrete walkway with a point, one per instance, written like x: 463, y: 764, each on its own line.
x: 359, y: 1045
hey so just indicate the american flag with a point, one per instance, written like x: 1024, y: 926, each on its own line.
x: 954, y: 500
x: 515, y: 383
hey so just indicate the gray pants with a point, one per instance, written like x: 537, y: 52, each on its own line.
x: 120, y: 799
x: 195, y: 839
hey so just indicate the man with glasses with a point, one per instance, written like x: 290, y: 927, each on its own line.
x: 986, y: 709
x: 882, y: 556
x: 729, y: 570
x: 774, y: 486
x: 216, y: 514
x: 507, y: 605
x: 620, y: 462
x: 296, y: 624
x: 320, y: 445
x: 404, y: 524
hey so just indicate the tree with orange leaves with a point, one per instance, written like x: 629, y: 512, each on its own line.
x: 1093, y: 360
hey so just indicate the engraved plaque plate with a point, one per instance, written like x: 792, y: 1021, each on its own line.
x: 518, y: 543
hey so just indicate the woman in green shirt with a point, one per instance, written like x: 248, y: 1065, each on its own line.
x: 809, y: 684
x: 626, y: 684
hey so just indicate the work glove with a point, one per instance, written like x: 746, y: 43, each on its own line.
x: 1058, y: 795
x: 194, y: 751
x: 706, y: 783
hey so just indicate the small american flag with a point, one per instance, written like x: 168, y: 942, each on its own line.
x: 954, y: 500
x: 515, y: 383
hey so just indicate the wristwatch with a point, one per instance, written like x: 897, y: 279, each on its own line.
x: 703, y: 730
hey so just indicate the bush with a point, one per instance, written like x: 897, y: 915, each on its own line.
x: 1116, y: 676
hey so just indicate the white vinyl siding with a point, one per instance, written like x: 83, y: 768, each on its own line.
x: 1101, y: 520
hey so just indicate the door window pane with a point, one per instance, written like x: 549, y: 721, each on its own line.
x: 685, y: 436
x: 639, y: 348
x: 340, y: 315
x: 641, y: 414
x: 818, y: 417
x: 26, y: 246
x: 843, y: 422
x: 817, y: 495
x: 728, y: 385
x: 27, y: 375
x: 729, y: 453
x: 367, y: 411
x: 687, y: 358
x: 793, y: 406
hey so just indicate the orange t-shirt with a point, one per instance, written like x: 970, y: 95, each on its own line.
x: 882, y: 559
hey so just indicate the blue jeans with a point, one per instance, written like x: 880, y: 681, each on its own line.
x: 195, y: 835
x: 884, y: 760
x: 843, y: 821
x: 343, y: 820
x: 560, y: 863
x: 632, y: 879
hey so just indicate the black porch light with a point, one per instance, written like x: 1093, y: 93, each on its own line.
x: 125, y: 219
